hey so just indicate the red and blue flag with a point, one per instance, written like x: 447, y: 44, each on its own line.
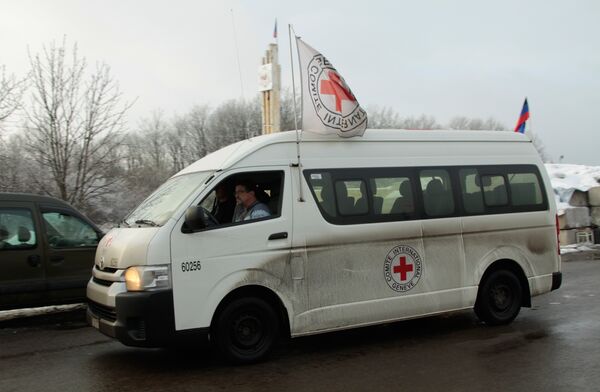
x: 523, y: 118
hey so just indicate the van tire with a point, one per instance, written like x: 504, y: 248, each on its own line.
x: 499, y: 298
x: 245, y: 331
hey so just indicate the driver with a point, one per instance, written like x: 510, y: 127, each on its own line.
x: 249, y: 207
x: 224, y: 204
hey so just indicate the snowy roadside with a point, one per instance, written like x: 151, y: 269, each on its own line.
x: 579, y: 252
x: 6, y: 315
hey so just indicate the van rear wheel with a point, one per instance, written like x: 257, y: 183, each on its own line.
x: 499, y: 298
x: 245, y: 331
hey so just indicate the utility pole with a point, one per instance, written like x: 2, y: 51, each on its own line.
x: 269, y: 83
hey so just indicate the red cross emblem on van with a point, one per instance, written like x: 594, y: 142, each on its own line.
x: 402, y: 268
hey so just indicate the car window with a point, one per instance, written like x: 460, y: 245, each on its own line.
x: 17, y: 230
x: 525, y: 189
x: 437, y: 192
x: 351, y: 197
x: 472, y: 194
x: 244, y: 197
x: 67, y: 231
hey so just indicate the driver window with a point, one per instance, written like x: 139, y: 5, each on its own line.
x: 66, y: 231
x: 244, y: 197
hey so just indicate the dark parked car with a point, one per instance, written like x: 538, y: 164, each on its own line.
x: 46, y: 251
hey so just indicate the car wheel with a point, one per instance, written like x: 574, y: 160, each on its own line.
x: 499, y: 298
x: 245, y: 331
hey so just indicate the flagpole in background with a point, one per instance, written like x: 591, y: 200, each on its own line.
x: 237, y: 54
x: 298, y: 164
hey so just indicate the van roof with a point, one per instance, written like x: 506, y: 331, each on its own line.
x: 30, y: 197
x: 229, y: 155
x: 47, y: 200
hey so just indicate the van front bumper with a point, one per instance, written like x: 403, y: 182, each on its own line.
x: 140, y: 319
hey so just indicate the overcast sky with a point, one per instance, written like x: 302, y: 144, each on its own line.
x: 441, y: 58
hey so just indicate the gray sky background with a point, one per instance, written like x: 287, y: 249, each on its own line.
x: 441, y: 58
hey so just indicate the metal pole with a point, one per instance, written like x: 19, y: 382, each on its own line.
x: 298, y: 164
x: 237, y: 54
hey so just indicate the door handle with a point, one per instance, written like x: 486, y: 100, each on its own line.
x: 278, y: 236
x: 34, y: 260
x: 57, y: 259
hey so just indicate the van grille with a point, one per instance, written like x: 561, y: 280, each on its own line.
x: 107, y: 269
x: 101, y: 281
x: 104, y: 312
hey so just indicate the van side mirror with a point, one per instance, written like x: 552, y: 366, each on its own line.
x: 195, y: 219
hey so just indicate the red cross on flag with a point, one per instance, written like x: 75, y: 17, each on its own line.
x: 328, y: 105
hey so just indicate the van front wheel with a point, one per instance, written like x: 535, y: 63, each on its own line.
x: 245, y: 331
x: 499, y: 298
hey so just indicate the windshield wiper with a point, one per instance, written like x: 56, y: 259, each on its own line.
x: 124, y: 222
x: 146, y: 222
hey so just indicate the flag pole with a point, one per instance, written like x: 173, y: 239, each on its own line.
x: 530, y: 128
x: 298, y: 164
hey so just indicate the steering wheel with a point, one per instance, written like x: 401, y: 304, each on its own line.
x: 53, y: 240
x: 213, y: 221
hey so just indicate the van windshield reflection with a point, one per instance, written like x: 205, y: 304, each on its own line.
x: 162, y: 203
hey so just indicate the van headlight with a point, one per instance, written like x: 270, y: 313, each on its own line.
x: 146, y: 278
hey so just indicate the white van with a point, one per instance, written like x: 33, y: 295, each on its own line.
x: 389, y: 226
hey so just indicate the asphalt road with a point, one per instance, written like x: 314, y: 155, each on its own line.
x: 554, y: 346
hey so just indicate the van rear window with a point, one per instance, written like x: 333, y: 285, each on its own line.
x: 525, y: 189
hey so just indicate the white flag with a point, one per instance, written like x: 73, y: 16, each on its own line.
x: 328, y: 105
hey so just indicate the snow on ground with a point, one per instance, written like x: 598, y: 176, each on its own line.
x: 566, y: 179
x: 30, y: 312
x: 578, y: 248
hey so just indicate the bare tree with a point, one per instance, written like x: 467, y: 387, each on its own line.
x: 74, y: 124
x: 15, y: 168
x: 153, y: 136
x: 465, y: 123
x: 193, y: 130
x: 383, y: 118
x: 388, y: 118
x: 422, y: 122
x: 539, y: 146
x: 235, y: 120
x: 288, y: 111
x: 11, y: 92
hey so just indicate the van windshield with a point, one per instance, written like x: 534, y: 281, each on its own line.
x: 160, y: 205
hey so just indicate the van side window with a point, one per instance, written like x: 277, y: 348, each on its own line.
x: 17, y: 230
x: 67, y: 231
x: 472, y: 196
x: 389, y: 194
x: 393, y: 195
x: 351, y: 197
x: 322, y: 186
x: 494, y: 190
x: 437, y: 192
x: 361, y: 201
x: 525, y: 189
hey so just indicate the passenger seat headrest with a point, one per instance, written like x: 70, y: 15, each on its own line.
x: 3, y: 233
x: 404, y: 189
x: 485, y: 181
x: 435, y: 186
x: 24, y: 234
x: 341, y: 190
